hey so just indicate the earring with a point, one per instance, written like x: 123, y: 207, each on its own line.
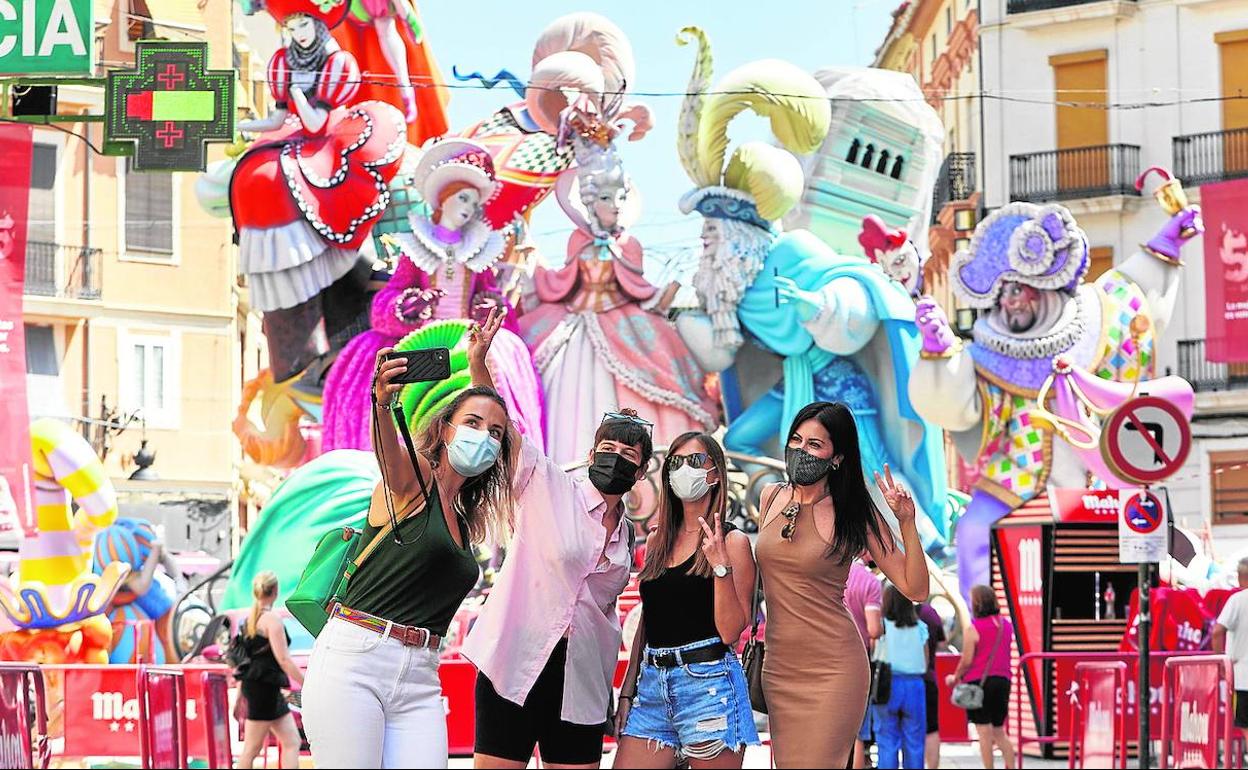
x: 836, y: 466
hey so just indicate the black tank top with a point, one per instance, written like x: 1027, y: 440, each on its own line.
x: 421, y: 583
x: 264, y: 666
x: 679, y: 608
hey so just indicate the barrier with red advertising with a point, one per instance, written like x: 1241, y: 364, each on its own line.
x: 1098, y: 713
x: 954, y: 725
x: 215, y: 700
x: 19, y: 745
x: 1197, y: 722
x: 162, y: 717
x: 102, y: 709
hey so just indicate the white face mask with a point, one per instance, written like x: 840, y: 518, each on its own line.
x: 689, y: 483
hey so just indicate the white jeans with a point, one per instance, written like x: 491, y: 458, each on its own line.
x: 369, y: 701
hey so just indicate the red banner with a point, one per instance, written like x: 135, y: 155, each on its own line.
x: 1084, y: 506
x: 15, y: 153
x: 1195, y: 709
x: 15, y: 735
x: 1098, y: 730
x: 1225, y: 210
x: 1023, y: 568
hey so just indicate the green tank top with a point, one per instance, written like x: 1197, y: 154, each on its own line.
x: 421, y: 583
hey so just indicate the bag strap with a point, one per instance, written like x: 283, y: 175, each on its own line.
x: 406, y: 433
x: 758, y: 573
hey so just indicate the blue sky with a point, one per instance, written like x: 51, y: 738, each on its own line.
x: 488, y: 36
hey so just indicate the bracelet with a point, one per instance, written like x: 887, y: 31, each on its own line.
x: 627, y: 697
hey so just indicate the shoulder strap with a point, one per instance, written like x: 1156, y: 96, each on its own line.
x: 762, y: 514
x: 405, y: 432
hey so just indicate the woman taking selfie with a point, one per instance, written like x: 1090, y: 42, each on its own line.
x: 815, y: 674
x: 546, y: 643
x: 685, y: 696
x: 373, y: 698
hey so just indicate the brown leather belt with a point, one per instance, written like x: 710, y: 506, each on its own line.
x: 411, y: 636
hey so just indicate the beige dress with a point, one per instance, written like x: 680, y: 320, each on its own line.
x: 815, y: 674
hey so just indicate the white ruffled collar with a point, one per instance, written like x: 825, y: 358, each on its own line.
x: 478, y: 250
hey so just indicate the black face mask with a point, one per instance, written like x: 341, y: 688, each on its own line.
x: 804, y: 468
x: 612, y: 474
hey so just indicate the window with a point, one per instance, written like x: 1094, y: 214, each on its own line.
x: 41, y: 351
x: 150, y: 378
x: 1229, y: 483
x: 148, y: 212
x: 948, y: 20
x: 1101, y: 259
x: 41, y: 227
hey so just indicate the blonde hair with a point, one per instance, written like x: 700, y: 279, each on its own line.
x: 263, y: 587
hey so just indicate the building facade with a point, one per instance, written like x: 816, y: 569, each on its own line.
x: 1080, y: 97
x: 136, y: 328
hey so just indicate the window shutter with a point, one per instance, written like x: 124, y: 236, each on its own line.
x: 149, y: 211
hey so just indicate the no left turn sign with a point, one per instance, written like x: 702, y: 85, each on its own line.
x: 1146, y: 440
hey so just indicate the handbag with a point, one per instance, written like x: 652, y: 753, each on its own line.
x: 755, y: 649
x: 970, y: 695
x: 335, y: 558
x: 881, y: 677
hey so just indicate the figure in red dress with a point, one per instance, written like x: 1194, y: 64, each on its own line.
x: 307, y: 193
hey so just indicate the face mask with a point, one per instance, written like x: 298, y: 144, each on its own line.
x: 689, y: 484
x: 472, y: 452
x: 804, y: 468
x: 612, y: 474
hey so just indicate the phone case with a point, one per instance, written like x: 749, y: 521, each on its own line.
x: 430, y: 365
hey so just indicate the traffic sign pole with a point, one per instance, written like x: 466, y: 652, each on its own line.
x: 1144, y: 696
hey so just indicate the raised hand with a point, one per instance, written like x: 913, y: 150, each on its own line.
x: 713, y: 544
x: 896, y: 495
x: 806, y: 303
x: 934, y: 327
x: 481, y: 336
x: 384, y: 386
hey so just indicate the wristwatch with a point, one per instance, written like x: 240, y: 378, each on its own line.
x: 721, y: 570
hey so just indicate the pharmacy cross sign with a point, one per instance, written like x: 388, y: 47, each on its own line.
x: 170, y: 106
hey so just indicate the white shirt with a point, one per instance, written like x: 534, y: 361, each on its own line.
x: 1234, y: 618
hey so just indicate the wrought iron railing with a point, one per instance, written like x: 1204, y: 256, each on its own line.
x: 1211, y: 157
x: 1080, y: 172
x: 58, y: 270
x: 956, y: 181
x: 1023, y: 6
x: 1205, y: 375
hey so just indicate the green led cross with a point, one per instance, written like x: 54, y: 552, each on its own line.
x: 170, y: 106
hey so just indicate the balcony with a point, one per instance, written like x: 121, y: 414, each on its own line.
x: 1080, y: 172
x: 1026, y: 6
x: 65, y: 272
x: 1206, y: 375
x: 956, y: 181
x: 1212, y: 157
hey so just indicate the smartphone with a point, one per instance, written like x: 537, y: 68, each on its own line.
x: 428, y: 365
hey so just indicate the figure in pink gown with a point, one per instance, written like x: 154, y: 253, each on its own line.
x: 599, y: 337
x: 443, y: 272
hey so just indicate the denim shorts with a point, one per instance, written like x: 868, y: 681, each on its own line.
x: 699, y: 709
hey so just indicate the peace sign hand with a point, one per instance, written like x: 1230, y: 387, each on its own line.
x: 713, y: 544
x: 481, y: 336
x: 896, y: 495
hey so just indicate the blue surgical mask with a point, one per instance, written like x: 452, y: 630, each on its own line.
x: 472, y: 452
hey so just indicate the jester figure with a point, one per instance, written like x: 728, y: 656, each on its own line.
x: 785, y: 311
x: 1024, y: 273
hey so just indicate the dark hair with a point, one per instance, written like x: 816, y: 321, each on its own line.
x: 484, y: 501
x: 670, y: 514
x: 898, y: 608
x: 857, y: 519
x: 627, y: 432
x: 984, y: 602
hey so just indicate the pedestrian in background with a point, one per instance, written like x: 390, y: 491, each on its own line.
x: 986, y: 660
x: 863, y: 596
x: 936, y: 642
x: 900, y: 724
x: 1234, y: 620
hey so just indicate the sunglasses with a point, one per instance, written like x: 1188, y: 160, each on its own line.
x: 634, y: 419
x: 695, y: 460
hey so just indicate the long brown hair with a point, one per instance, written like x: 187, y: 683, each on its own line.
x: 671, y: 510
x: 484, y: 501
x: 263, y: 588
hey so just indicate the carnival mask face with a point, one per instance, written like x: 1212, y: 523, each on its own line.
x: 712, y: 236
x: 607, y: 204
x: 460, y: 209
x: 1020, y: 306
x: 902, y: 265
x: 302, y: 30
